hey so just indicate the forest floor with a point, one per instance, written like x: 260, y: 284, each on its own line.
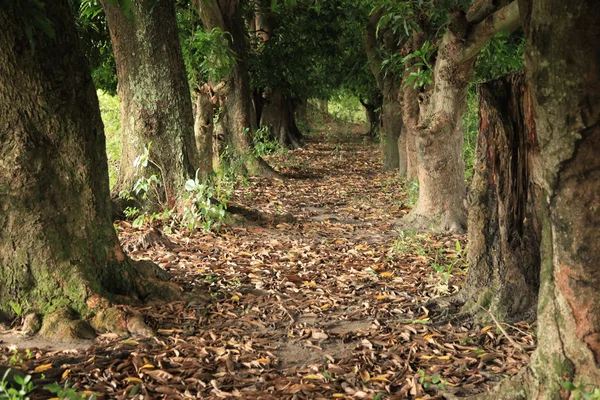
x: 315, y: 295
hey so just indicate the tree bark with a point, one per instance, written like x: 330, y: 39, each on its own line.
x: 58, y: 247
x: 204, y: 129
x: 409, y: 94
x: 562, y: 65
x: 238, y: 116
x: 393, y: 144
x: 440, y: 135
x: 155, y: 97
x: 504, y: 231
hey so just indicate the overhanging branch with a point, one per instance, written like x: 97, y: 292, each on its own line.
x: 507, y: 18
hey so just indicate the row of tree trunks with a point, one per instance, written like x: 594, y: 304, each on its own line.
x: 58, y: 248
x: 504, y: 229
x: 238, y: 118
x: 155, y: 97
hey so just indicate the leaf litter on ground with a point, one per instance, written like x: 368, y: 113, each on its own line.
x: 325, y: 304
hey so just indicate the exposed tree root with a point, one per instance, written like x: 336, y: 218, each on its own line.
x: 422, y: 223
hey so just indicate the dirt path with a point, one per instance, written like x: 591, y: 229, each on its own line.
x: 316, y: 297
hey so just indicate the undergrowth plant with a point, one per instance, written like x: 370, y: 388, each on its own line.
x: 19, y: 390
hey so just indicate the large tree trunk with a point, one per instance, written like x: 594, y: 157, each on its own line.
x: 238, y: 116
x: 440, y: 135
x: 58, y: 247
x: 155, y: 97
x: 278, y: 113
x: 562, y: 65
x: 504, y: 231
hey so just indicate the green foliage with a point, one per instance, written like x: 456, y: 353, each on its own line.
x: 582, y: 391
x: 263, y: 142
x: 346, y: 107
x: 23, y: 387
x: 500, y: 56
x: 205, y: 204
x: 93, y: 32
x: 424, y: 74
x: 16, y: 307
x: 428, y: 380
x: 66, y: 392
x: 111, y: 117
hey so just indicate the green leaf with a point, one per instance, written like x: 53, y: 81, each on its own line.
x: 568, y: 385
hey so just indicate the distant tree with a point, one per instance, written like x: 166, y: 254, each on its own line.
x: 59, y: 253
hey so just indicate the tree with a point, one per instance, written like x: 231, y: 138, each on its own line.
x: 439, y: 138
x: 156, y: 110
x: 566, y: 100
x: 392, y: 143
x: 59, y: 253
x: 238, y: 117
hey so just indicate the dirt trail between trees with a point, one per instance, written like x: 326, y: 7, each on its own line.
x: 313, y: 295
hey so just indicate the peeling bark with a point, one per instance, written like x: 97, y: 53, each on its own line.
x: 155, y: 97
x: 504, y: 231
x: 562, y: 65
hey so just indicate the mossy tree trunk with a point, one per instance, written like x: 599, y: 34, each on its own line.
x: 155, y: 97
x: 58, y: 247
x: 562, y: 64
x: 439, y: 138
x: 504, y: 231
x: 237, y: 113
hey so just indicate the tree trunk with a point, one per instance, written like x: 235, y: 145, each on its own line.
x: 504, y: 232
x: 278, y: 113
x: 204, y: 128
x: 373, y: 114
x: 238, y: 116
x: 562, y: 71
x: 409, y: 94
x: 393, y: 144
x: 155, y: 97
x: 58, y: 247
x: 440, y: 135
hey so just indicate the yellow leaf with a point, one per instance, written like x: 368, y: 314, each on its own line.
x: 245, y: 254
x: 310, y: 284
x: 380, y: 378
x: 65, y: 374
x: 313, y: 377
x: 338, y: 395
x: 133, y: 379
x: 443, y: 357
x: 427, y: 357
x: 486, y: 328
x: 235, y: 298
x: 130, y: 342
x: 147, y: 366
x: 42, y: 368
x: 382, y: 297
x: 88, y: 392
x: 432, y: 335
x: 325, y: 306
x: 387, y: 274
x: 263, y: 360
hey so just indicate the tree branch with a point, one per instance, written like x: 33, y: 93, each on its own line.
x: 507, y: 18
